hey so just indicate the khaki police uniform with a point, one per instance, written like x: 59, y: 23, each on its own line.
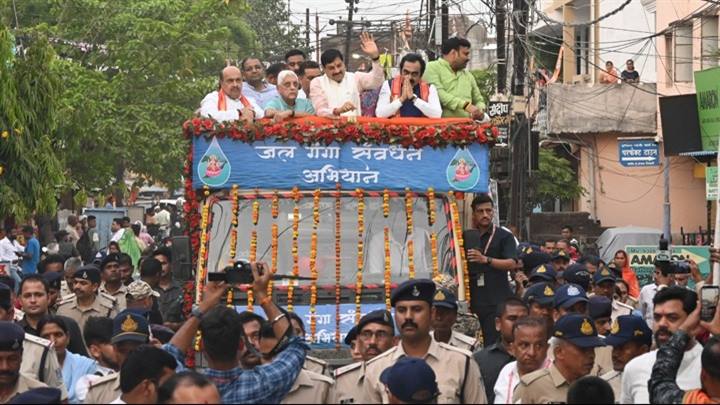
x: 458, y: 375
x: 102, y: 306
x: 544, y: 386
x: 349, y: 384
x: 603, y: 360
x: 463, y: 342
x: 310, y: 388
x: 118, y: 296
x: 64, y: 290
x: 614, y: 378
x: 40, y: 362
x: 25, y: 384
x: 618, y: 309
x: 104, y: 390
x: 316, y: 365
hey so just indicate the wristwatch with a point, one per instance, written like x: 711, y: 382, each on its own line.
x: 196, y: 312
x: 489, y: 260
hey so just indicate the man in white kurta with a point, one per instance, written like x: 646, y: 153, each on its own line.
x: 228, y: 103
x: 337, y: 92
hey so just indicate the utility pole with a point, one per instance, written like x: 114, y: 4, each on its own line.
x: 520, y: 142
x: 500, y: 51
x: 348, y: 33
x: 317, y: 37
x: 307, y: 28
x: 444, y: 15
x: 431, y: 17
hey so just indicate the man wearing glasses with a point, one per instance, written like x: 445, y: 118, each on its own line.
x: 376, y: 335
x: 661, y: 280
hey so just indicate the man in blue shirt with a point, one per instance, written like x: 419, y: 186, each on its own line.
x: 31, y: 256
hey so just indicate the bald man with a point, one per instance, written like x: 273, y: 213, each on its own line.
x: 228, y: 103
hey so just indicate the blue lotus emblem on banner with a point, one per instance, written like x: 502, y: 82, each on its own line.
x: 463, y: 172
x: 214, y: 168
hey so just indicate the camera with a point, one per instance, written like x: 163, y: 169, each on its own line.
x: 665, y: 261
x: 238, y: 273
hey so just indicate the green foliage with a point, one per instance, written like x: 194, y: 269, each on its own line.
x: 486, y: 80
x: 28, y: 117
x: 273, y: 37
x: 554, y: 179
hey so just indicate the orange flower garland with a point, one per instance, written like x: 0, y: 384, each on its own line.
x: 273, y: 256
x: 295, y: 235
x: 386, y: 203
x: 313, y: 263
x: 275, y: 206
x: 256, y: 208
x: 202, y: 257
x: 252, y: 257
x: 431, y: 206
x: 409, y: 212
x: 361, y: 249
x: 388, y: 270
x: 457, y: 228
x: 338, y: 263
x: 235, y: 197
x: 434, y: 255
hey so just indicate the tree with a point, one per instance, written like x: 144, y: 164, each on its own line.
x: 486, y: 80
x: 30, y: 168
x: 273, y: 35
x: 555, y: 179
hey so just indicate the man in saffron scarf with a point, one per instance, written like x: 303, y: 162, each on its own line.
x: 228, y: 103
x: 337, y: 92
x: 407, y: 95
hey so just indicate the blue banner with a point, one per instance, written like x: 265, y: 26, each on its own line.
x: 222, y: 163
x: 325, y: 320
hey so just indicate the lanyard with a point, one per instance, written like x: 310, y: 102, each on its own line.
x: 490, y: 239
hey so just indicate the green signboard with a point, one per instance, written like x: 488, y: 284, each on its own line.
x: 711, y: 186
x: 707, y: 84
x: 642, y: 259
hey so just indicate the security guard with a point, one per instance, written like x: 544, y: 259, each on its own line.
x: 458, y: 375
x: 130, y: 330
x: 110, y: 272
x: 444, y: 316
x: 85, y: 302
x: 560, y: 262
x: 575, y: 340
x: 351, y: 339
x: 604, y: 281
x: 11, y: 351
x: 540, y: 298
x: 630, y: 336
x: 376, y: 334
x: 39, y: 359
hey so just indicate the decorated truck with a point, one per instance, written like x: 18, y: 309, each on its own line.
x: 354, y: 207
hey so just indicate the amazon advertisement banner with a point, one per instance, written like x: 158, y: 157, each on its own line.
x: 221, y: 163
x: 642, y: 259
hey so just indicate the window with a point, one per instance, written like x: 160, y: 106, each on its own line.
x: 683, y: 53
x: 709, y: 32
x: 582, y: 50
x: 668, y: 62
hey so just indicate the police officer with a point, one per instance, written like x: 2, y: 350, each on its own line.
x: 86, y: 302
x: 351, y: 339
x: 560, y: 261
x: 112, y: 286
x: 630, y: 336
x: 376, y: 334
x: 444, y: 316
x: 539, y: 298
x: 12, y: 381
x: 574, y: 342
x: 577, y: 273
x: 569, y: 299
x: 604, y: 281
x: 309, y: 387
x: 311, y: 363
x: 54, y: 281
x: 130, y: 330
x: 410, y: 381
x: 39, y: 359
x: 543, y: 273
x: 459, y: 376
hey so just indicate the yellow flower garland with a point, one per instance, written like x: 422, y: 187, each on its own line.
x: 338, y: 263
x: 434, y: 254
x: 273, y: 256
x: 361, y: 249
x: 409, y: 216
x: 388, y: 269
x: 313, y: 263
x: 295, y: 234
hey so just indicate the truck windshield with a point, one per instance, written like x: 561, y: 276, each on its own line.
x: 375, y: 222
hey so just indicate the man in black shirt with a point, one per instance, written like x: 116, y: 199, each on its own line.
x: 491, y: 252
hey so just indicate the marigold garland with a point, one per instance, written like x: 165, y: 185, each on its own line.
x: 434, y: 255
x: 431, y: 206
x: 295, y: 235
x: 273, y: 256
x: 313, y: 263
x: 256, y: 208
x: 202, y: 257
x: 252, y: 257
x: 338, y: 263
x: 361, y: 250
x: 457, y: 228
x: 275, y: 205
x: 409, y: 215
x: 388, y: 269
x: 234, y: 198
x: 386, y: 203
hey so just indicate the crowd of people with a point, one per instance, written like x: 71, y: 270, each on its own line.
x: 300, y: 87
x: 82, y: 323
